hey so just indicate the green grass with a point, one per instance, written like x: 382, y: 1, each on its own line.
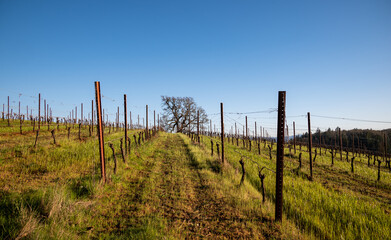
x: 328, y: 210
x: 172, y: 188
x: 45, y: 188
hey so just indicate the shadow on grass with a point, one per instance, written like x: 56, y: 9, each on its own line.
x: 215, y: 166
x: 11, y: 206
x: 83, y: 187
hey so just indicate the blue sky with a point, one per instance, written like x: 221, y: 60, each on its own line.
x: 332, y: 57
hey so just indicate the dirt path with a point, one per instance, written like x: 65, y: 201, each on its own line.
x: 188, y: 202
x: 167, y: 194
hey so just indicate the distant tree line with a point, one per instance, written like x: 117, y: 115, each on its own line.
x: 368, y: 139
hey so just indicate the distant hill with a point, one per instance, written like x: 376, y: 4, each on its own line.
x: 366, y: 139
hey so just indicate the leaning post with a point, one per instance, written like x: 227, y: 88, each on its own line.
x: 100, y: 131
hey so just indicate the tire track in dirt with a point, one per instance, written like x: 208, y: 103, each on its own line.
x: 188, y: 202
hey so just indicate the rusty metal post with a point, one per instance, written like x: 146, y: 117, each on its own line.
x: 353, y: 144
x: 211, y: 130
x: 243, y: 137
x: 340, y: 142
x: 310, y: 143
x: 222, y: 132
x: 198, y: 125
x: 100, y: 131
x: 130, y: 119
x: 146, y: 125
x: 280, y: 154
x: 320, y: 143
x: 126, y: 124
x: 44, y: 110
x: 39, y: 111
x: 8, y: 111
x: 294, y: 137
x: 256, y: 138
x: 117, y: 118
x: 92, y: 115
x: 385, y: 150
x: 246, y: 129
x: 189, y: 121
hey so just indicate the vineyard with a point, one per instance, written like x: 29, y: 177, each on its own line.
x: 80, y: 178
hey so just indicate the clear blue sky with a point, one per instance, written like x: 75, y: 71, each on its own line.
x: 332, y: 57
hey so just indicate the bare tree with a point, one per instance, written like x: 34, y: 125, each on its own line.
x: 181, y: 112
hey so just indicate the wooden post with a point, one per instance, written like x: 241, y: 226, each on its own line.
x: 294, y: 137
x: 310, y: 143
x: 100, y: 131
x: 126, y: 125
x: 280, y: 155
x: 222, y: 132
